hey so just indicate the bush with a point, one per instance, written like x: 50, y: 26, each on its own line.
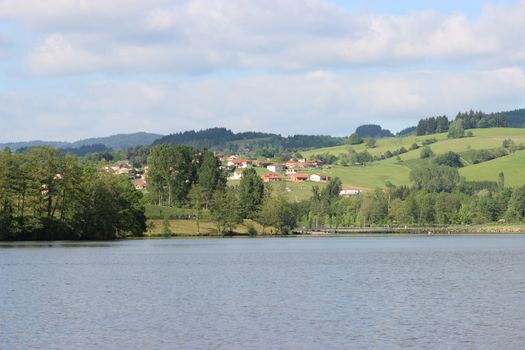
x: 429, y: 141
x: 426, y: 152
x: 450, y: 159
x: 252, y: 231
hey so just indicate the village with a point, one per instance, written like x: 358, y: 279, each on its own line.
x: 293, y: 170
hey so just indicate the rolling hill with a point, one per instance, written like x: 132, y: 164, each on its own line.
x: 115, y: 142
x: 396, y: 170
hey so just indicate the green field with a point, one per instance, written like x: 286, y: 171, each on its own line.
x: 397, y: 170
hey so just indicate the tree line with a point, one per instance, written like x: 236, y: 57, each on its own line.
x: 464, y: 120
x: 437, y: 195
x: 45, y: 195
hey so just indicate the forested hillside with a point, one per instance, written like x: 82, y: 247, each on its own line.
x: 224, y: 140
x: 115, y: 142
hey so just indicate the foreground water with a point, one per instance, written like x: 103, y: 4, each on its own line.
x: 314, y: 293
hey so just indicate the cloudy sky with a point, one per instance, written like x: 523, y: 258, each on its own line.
x: 73, y: 69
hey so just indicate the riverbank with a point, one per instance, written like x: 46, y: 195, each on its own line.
x: 188, y: 228
x: 456, y: 229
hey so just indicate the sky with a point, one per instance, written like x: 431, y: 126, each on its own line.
x: 73, y: 69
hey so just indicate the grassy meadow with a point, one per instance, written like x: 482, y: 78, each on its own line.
x: 397, y: 170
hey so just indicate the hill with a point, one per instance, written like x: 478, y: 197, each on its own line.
x: 225, y: 140
x: 115, y: 142
x: 120, y: 141
x: 396, y: 169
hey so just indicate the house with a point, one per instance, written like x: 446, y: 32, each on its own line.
x: 319, y: 178
x: 139, y: 184
x: 299, y: 177
x: 270, y: 178
x: 237, y: 175
x: 239, y: 163
x: 289, y: 172
x: 275, y: 167
x: 292, y: 164
x: 123, y: 171
x: 350, y: 191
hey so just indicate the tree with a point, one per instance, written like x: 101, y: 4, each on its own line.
x: 332, y: 189
x: 370, y: 143
x: 516, y: 207
x: 501, y: 181
x: 198, y: 199
x: 426, y: 152
x: 450, y: 159
x: 434, y: 178
x: 355, y: 139
x: 171, y: 173
x: 251, y: 193
x: 210, y: 176
x: 225, y: 210
x: 456, y: 129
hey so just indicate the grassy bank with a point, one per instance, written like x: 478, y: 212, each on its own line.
x: 188, y: 228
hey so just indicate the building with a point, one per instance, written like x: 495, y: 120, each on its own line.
x: 239, y: 163
x: 139, y: 184
x: 350, y: 191
x: 319, y: 178
x: 290, y: 172
x: 271, y: 178
x: 237, y: 175
x: 275, y: 167
x: 299, y: 177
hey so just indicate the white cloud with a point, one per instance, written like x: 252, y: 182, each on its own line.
x: 212, y: 35
x: 316, y: 102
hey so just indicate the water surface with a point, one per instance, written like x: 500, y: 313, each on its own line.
x: 288, y: 293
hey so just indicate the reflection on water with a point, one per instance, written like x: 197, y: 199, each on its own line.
x: 313, y: 293
x: 57, y: 244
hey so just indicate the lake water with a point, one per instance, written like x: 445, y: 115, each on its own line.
x: 451, y: 292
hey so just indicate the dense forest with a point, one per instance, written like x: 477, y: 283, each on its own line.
x: 225, y: 140
x: 469, y: 120
x: 46, y: 195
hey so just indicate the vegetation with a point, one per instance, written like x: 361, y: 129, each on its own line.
x: 432, y: 125
x: 225, y: 140
x: 372, y: 131
x: 45, y: 195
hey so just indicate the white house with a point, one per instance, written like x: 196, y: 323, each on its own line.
x: 290, y: 172
x: 318, y: 178
x: 275, y: 167
x: 237, y: 175
x: 350, y: 191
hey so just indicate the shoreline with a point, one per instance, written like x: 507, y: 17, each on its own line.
x: 366, y: 231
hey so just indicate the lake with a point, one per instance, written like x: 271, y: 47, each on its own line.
x: 265, y: 293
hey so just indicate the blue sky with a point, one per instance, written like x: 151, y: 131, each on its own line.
x: 82, y: 68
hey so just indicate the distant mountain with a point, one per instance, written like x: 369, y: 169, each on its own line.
x: 37, y: 143
x: 115, y: 142
x: 120, y: 141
